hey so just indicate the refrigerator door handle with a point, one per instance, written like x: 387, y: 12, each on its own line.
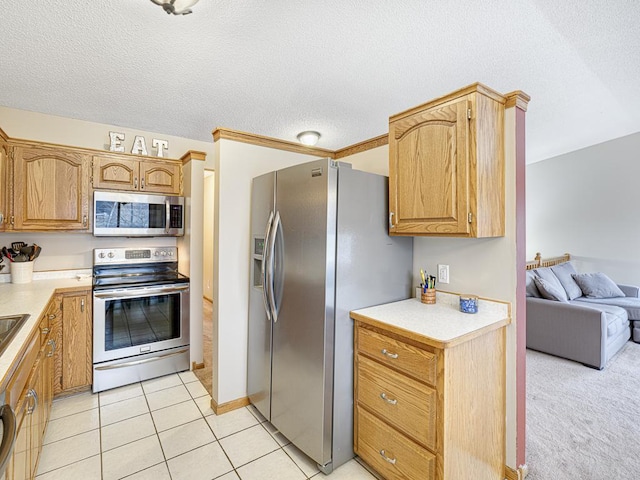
x: 272, y: 248
x: 264, y: 271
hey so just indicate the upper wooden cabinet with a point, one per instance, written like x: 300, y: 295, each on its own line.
x: 446, y: 166
x: 153, y: 176
x: 50, y: 189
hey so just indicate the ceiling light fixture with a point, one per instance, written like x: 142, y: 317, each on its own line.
x: 177, y: 7
x: 309, y: 137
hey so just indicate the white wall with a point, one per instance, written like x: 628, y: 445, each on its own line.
x: 207, y: 247
x: 485, y: 267
x: 586, y: 203
x: 235, y: 165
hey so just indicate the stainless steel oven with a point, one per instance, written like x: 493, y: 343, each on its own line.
x: 140, y: 316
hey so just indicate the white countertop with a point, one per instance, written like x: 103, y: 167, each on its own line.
x: 31, y: 298
x: 441, y: 324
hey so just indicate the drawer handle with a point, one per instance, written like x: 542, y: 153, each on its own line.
x: 52, y: 316
x: 392, y: 461
x: 389, y: 354
x: 45, y: 330
x: 391, y: 401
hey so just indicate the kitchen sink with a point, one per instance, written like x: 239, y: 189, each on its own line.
x: 9, y: 325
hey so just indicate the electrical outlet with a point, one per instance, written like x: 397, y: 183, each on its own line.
x: 443, y: 273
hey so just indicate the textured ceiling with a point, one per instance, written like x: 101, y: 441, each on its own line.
x: 341, y: 67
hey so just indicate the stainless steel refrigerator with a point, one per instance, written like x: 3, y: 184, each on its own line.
x: 319, y: 248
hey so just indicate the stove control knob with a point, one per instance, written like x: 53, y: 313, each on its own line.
x: 156, y: 253
x: 163, y: 253
x: 110, y: 255
x: 101, y: 255
x: 171, y: 254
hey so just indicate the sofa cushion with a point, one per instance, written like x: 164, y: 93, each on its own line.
x: 532, y: 290
x: 550, y: 290
x: 630, y: 304
x: 597, y: 285
x: 550, y: 278
x: 616, y: 317
x: 564, y: 272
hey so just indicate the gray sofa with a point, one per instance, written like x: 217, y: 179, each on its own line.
x: 576, y: 327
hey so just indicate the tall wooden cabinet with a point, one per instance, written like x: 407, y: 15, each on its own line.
x: 446, y: 166
x: 50, y: 188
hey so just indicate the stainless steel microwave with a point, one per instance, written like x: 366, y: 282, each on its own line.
x: 137, y: 215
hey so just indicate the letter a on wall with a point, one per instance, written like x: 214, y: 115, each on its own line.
x: 139, y: 146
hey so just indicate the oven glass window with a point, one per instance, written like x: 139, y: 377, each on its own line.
x: 129, y: 215
x: 138, y: 321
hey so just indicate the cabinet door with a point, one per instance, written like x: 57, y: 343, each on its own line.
x: 77, y: 341
x: 160, y: 177
x: 115, y: 173
x: 51, y: 189
x: 55, y: 324
x: 5, y: 198
x: 37, y: 416
x: 47, y: 378
x: 18, y: 468
x: 428, y: 171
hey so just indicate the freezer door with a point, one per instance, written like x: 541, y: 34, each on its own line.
x: 302, y: 372
x: 259, y: 343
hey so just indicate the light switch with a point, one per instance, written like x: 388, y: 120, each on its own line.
x: 443, y: 273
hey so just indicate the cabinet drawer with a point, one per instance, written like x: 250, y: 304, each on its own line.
x: 390, y: 453
x: 406, y: 404
x: 417, y: 362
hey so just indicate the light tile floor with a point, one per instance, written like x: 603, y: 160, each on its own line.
x: 164, y: 429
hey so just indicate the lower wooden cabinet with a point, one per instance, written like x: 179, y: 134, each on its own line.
x: 427, y: 413
x: 73, y: 335
x: 33, y: 379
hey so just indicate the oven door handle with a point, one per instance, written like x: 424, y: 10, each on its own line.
x: 167, y: 213
x: 8, y: 435
x: 137, y: 292
x: 140, y: 362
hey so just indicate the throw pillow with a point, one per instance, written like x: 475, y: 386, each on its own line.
x: 564, y: 272
x: 549, y: 290
x: 532, y: 290
x: 546, y: 274
x: 597, y: 285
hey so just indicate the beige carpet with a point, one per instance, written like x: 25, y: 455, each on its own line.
x: 206, y: 374
x: 583, y: 424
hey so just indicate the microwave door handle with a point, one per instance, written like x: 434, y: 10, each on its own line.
x: 272, y: 247
x: 264, y: 271
x: 167, y: 213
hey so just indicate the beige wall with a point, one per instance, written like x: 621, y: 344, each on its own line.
x: 68, y: 251
x: 235, y: 166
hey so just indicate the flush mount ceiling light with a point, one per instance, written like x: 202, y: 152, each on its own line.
x: 309, y: 137
x: 177, y: 7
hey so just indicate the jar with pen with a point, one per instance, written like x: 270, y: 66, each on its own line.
x: 427, y: 288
